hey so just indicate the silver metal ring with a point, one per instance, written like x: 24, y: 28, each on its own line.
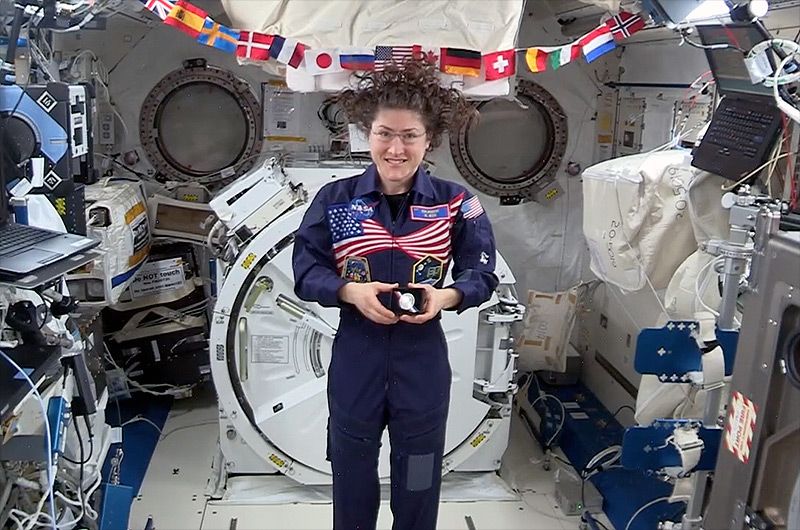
x: 196, y: 71
x: 533, y: 180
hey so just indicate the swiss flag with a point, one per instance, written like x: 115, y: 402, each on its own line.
x: 323, y: 61
x: 499, y: 65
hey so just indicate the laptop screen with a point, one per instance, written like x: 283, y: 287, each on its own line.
x: 727, y: 64
x: 5, y: 167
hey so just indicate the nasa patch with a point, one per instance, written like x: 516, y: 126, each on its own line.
x: 356, y: 269
x: 428, y: 270
x: 361, y: 209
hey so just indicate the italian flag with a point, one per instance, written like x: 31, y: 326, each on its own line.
x: 563, y: 55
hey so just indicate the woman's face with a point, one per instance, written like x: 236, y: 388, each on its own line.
x: 397, y: 143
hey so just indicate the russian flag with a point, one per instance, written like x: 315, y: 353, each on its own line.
x: 357, y: 59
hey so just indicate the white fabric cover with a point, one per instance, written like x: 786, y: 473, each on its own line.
x: 680, y: 299
x: 636, y: 218
x: 709, y: 219
x: 481, y: 26
x: 125, y: 242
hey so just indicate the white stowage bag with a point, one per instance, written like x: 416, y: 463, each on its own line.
x: 116, y: 213
x: 549, y: 319
x: 636, y: 218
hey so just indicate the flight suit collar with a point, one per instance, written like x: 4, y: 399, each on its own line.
x: 369, y: 183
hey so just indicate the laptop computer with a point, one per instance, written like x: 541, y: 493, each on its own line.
x: 23, y: 248
x: 746, y: 122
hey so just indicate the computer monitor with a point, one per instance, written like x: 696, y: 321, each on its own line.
x: 727, y: 64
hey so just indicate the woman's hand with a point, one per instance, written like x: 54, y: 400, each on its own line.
x: 434, y: 301
x: 365, y: 297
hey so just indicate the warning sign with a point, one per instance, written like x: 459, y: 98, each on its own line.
x: 158, y: 276
x: 740, y: 426
x: 272, y: 349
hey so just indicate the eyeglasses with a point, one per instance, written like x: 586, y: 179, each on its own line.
x: 405, y: 137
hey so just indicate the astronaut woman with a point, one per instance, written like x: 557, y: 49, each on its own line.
x: 394, y: 225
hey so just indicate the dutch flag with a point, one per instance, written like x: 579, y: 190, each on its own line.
x: 597, y: 42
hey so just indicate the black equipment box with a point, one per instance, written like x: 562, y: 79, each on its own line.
x: 52, y: 122
x: 71, y: 206
x: 162, y: 347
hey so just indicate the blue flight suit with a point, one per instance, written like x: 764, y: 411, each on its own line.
x: 397, y: 375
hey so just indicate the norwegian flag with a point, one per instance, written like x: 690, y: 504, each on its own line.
x: 354, y: 238
x: 624, y: 25
x: 160, y: 8
x: 253, y: 45
x: 386, y: 55
x: 472, y: 208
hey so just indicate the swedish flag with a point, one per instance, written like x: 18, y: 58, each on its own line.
x: 218, y: 36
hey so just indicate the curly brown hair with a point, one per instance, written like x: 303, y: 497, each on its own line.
x: 412, y: 85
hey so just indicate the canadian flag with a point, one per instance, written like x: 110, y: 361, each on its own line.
x: 499, y: 65
x: 323, y: 61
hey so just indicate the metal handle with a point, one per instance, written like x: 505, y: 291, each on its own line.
x: 243, y: 349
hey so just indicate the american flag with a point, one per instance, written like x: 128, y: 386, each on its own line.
x: 472, y: 208
x: 386, y: 55
x: 160, y: 8
x: 354, y: 238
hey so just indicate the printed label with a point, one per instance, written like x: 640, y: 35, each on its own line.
x: 157, y: 277
x: 271, y: 349
x: 739, y: 429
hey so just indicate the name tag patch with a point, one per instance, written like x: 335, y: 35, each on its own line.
x: 430, y: 213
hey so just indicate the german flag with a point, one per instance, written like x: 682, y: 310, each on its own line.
x: 461, y: 62
x: 536, y: 59
x: 186, y: 17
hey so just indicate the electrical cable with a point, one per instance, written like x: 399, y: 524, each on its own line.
x: 698, y: 289
x: 48, y: 439
x: 623, y: 407
x: 644, y: 507
x: 721, y: 46
x: 142, y: 418
x: 756, y: 170
x: 563, y: 414
x: 82, y: 461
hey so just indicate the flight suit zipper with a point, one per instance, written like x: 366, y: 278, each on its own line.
x: 393, y: 221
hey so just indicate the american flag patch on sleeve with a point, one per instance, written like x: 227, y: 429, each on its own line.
x: 471, y: 208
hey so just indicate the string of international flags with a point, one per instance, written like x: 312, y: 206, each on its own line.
x: 255, y: 46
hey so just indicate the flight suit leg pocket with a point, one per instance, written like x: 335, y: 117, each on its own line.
x: 417, y: 447
x: 419, y: 472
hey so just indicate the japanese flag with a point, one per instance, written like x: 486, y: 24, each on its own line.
x: 323, y: 61
x: 499, y: 65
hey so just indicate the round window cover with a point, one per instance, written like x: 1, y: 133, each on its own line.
x: 201, y: 124
x: 509, y: 151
